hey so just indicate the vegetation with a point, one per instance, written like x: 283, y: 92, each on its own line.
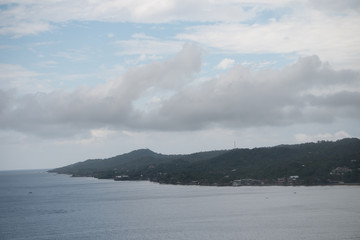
x: 302, y: 164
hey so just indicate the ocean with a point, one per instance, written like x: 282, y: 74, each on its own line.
x: 40, y: 205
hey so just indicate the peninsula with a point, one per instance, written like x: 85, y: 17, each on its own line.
x: 320, y: 163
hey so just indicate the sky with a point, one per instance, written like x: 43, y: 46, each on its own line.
x: 94, y: 79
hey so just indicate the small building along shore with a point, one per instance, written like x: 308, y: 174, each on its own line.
x: 285, y: 181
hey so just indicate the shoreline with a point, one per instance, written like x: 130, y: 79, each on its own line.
x: 211, y: 185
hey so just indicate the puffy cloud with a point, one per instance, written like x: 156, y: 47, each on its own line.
x: 238, y: 98
x: 112, y: 104
x: 241, y: 98
x: 225, y: 63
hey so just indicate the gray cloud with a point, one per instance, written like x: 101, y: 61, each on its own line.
x: 67, y: 112
x: 306, y: 92
x: 240, y: 98
x: 335, y: 5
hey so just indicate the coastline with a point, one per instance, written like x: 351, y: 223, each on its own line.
x: 195, y: 183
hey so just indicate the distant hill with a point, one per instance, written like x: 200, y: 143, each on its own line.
x: 323, y: 162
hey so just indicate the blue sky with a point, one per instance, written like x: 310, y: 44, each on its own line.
x: 93, y: 79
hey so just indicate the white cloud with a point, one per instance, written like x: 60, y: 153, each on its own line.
x: 10, y: 71
x: 142, y: 36
x: 225, y: 63
x: 258, y: 65
x: 153, y: 47
x: 302, y: 137
x: 22, y: 79
x: 94, y: 136
x: 306, y: 28
x: 32, y: 17
x: 48, y: 64
x: 334, y: 38
x: 74, y: 55
x: 19, y: 29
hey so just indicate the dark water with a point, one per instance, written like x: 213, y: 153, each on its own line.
x: 38, y: 205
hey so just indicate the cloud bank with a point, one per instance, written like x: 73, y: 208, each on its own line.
x: 308, y: 91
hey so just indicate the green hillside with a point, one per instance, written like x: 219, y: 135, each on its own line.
x: 302, y: 164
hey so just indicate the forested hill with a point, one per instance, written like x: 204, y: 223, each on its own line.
x: 323, y: 162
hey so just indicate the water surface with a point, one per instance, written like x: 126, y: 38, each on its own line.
x: 40, y: 205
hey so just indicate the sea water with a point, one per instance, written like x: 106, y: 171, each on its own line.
x: 39, y: 205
